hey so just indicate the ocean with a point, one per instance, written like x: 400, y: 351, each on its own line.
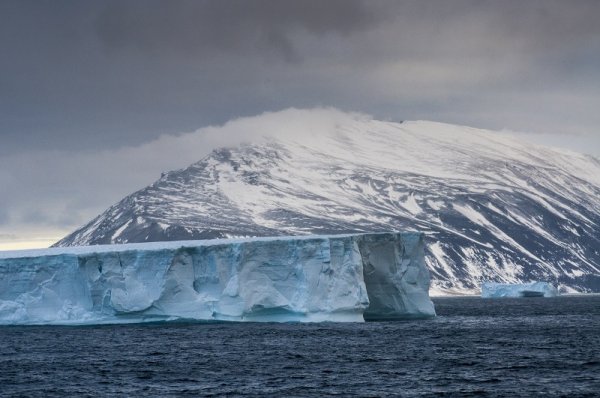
x: 474, y: 347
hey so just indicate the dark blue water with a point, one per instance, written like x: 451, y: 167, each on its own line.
x: 474, y: 347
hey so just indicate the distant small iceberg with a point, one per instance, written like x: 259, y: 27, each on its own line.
x: 533, y: 289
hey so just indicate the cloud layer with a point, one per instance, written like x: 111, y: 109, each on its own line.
x: 86, y: 75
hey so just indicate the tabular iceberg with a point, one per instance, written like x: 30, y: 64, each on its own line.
x: 316, y: 278
x: 534, y: 289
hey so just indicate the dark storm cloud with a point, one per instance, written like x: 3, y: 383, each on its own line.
x: 87, y: 75
x: 205, y: 27
x: 103, y: 74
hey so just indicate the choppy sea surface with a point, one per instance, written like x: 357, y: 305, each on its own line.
x: 475, y: 347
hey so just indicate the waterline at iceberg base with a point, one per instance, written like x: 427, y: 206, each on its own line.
x: 347, y: 278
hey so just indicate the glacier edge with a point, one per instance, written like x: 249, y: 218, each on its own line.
x: 341, y: 278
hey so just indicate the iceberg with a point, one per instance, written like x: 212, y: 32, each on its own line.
x: 533, y: 289
x: 346, y: 278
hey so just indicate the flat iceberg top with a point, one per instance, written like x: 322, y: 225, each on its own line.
x: 80, y: 250
x: 533, y: 289
x: 342, y: 278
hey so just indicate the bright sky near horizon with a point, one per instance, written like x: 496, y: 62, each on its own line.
x: 92, y: 93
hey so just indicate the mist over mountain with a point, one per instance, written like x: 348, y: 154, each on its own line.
x: 494, y: 208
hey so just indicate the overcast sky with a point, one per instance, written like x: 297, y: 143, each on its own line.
x: 88, y: 88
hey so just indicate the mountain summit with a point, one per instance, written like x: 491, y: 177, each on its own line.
x: 494, y: 208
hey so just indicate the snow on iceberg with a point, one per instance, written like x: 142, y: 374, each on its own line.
x: 307, y: 279
x: 533, y: 289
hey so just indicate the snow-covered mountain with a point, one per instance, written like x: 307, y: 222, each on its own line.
x: 494, y: 208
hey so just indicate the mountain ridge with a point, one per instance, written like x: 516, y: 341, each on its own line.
x: 493, y: 208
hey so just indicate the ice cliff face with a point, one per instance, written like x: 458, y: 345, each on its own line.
x: 334, y: 278
x: 493, y: 208
x: 533, y: 289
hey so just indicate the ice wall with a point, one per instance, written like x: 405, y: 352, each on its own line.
x: 321, y: 278
x: 534, y: 289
